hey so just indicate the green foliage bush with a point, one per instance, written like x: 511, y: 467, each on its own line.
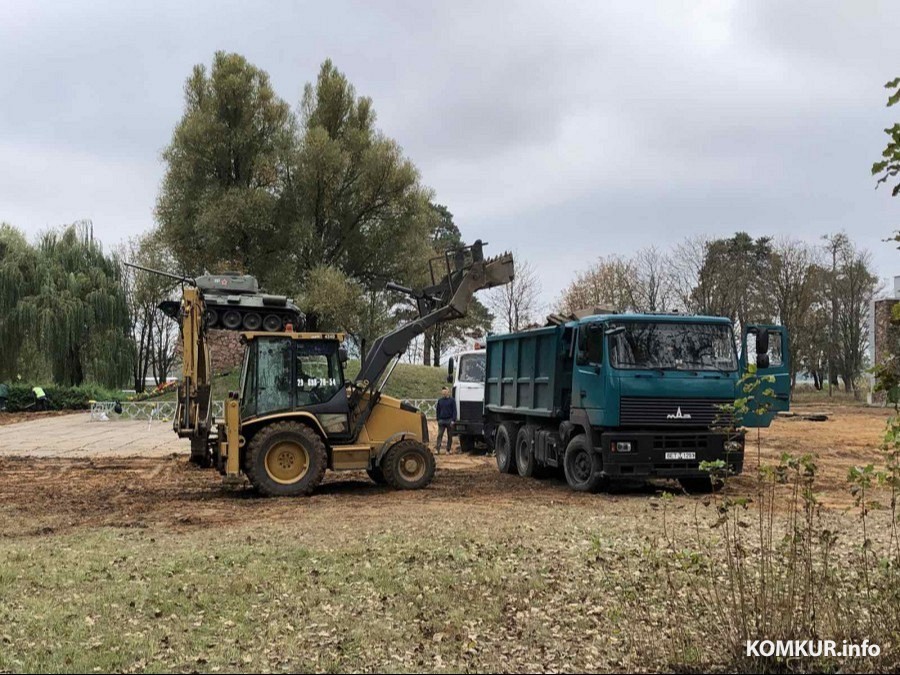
x: 21, y: 398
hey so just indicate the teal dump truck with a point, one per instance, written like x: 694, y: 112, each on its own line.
x: 627, y: 396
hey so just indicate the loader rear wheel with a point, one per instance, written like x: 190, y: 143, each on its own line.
x: 583, y: 466
x: 286, y: 459
x: 408, y: 465
x: 524, y: 456
x: 504, y: 447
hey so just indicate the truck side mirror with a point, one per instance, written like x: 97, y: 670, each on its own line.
x: 450, y: 370
x: 342, y: 355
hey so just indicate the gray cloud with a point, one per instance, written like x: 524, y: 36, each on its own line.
x: 564, y: 131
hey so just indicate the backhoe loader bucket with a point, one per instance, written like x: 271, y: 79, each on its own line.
x: 462, y: 267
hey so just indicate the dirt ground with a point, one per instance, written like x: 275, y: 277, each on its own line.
x: 18, y: 417
x: 118, y: 559
x: 41, y: 494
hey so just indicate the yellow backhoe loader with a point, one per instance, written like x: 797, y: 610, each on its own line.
x: 295, y: 414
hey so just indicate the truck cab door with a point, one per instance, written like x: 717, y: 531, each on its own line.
x: 765, y: 347
x: 587, y: 389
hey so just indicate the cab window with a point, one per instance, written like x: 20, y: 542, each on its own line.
x: 319, y: 372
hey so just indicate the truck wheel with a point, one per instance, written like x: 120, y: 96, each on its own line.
x: 377, y: 475
x: 467, y: 443
x: 286, y: 459
x: 504, y: 446
x: 582, y: 466
x: 700, y: 485
x: 524, y: 456
x: 408, y: 465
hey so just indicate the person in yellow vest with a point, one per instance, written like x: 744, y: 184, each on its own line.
x: 41, y: 402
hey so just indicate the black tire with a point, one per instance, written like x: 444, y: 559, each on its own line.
x: 504, y: 447
x: 377, y: 475
x: 272, y: 323
x: 408, y: 465
x: 525, y: 463
x: 231, y: 320
x: 252, y: 321
x: 200, y: 455
x: 583, y: 466
x: 700, y: 485
x: 286, y: 459
x: 466, y: 443
x: 212, y: 318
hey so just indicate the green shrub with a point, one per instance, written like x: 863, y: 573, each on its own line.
x: 21, y: 398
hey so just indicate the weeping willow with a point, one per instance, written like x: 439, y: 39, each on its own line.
x: 63, y: 296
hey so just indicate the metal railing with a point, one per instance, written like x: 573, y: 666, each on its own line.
x: 164, y: 411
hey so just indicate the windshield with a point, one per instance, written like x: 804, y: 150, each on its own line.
x: 672, y: 345
x: 471, y: 368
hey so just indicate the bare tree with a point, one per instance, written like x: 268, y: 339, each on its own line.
x: 153, y: 334
x: 515, y: 305
x: 686, y: 261
x: 854, y: 284
x: 607, y: 282
x: 651, y: 281
x: 797, y: 290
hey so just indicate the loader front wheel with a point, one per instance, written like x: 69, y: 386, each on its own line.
x: 286, y: 459
x: 408, y: 465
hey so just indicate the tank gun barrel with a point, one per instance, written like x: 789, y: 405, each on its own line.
x: 177, y: 277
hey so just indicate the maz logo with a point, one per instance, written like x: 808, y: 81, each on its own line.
x: 678, y: 415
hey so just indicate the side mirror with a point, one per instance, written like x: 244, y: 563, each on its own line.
x: 450, y: 369
x: 342, y: 355
x: 762, y: 361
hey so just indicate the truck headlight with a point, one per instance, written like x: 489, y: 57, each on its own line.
x: 621, y: 446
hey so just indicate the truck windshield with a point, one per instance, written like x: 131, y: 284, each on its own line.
x: 672, y: 345
x: 471, y: 368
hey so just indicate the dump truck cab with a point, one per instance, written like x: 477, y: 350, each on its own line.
x: 630, y: 395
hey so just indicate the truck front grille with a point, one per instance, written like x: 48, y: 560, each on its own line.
x: 674, y: 412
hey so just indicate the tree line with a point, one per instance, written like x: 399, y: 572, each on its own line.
x: 820, y: 291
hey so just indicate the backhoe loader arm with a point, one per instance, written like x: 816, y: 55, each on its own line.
x: 193, y: 417
x: 466, y: 272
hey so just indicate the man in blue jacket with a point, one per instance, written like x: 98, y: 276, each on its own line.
x: 446, y: 417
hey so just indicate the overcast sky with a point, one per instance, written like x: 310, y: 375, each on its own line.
x: 564, y: 131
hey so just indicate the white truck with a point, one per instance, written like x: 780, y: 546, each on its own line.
x: 465, y: 372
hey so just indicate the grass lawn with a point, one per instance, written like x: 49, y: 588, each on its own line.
x: 408, y: 381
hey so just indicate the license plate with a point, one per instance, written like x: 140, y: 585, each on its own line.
x: 681, y: 455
